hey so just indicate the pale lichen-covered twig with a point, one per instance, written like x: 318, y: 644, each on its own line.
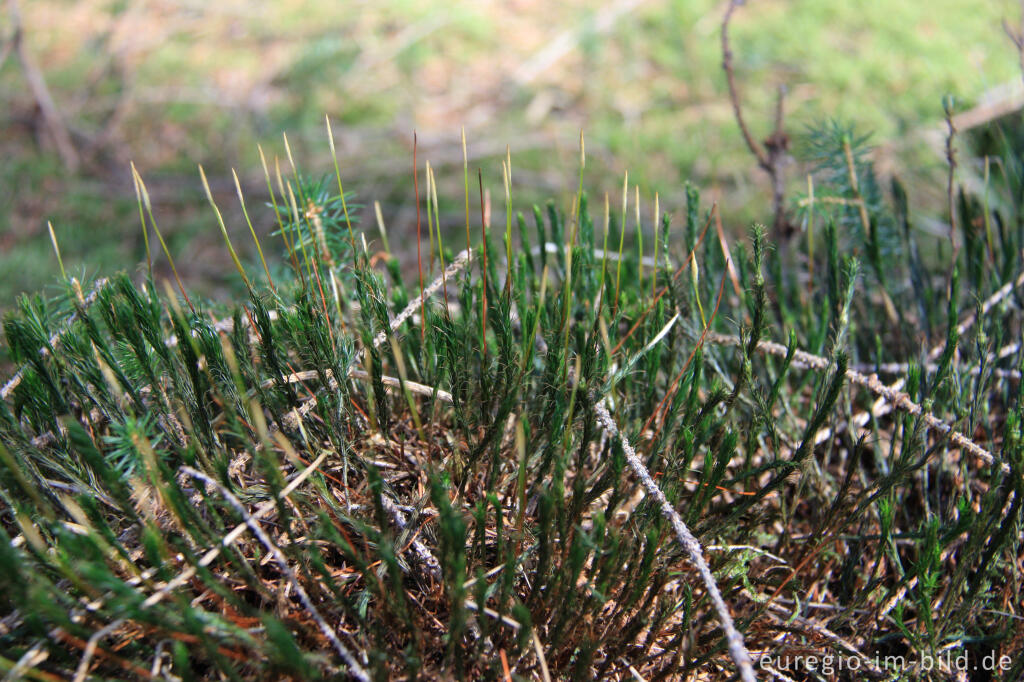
x: 355, y: 668
x: 186, y: 575
x: 989, y: 303
x: 897, y: 399
x: 690, y: 545
x: 420, y: 551
x: 54, y: 340
x: 456, y: 266
x: 388, y: 381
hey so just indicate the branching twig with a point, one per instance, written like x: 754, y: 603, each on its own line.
x: 391, y: 383
x: 772, y: 156
x: 354, y: 666
x: 900, y: 401
x: 41, y: 93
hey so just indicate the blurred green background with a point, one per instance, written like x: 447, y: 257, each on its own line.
x: 171, y: 84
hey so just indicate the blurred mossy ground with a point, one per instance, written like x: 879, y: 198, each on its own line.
x: 173, y: 84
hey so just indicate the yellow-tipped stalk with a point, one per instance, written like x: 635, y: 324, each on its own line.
x: 506, y: 176
x: 288, y: 152
x: 142, y: 219
x: 312, y: 264
x: 277, y: 212
x: 430, y: 220
x: 341, y: 190
x: 295, y: 221
x: 224, y: 230
x: 572, y: 241
x: 56, y: 250
x: 432, y: 198
x: 622, y: 237
x: 315, y: 231
x: 252, y: 231
x: 568, y: 257
x: 380, y: 226
x: 695, y: 280
x: 508, y: 217
x: 286, y: 233
x: 465, y: 179
x: 160, y: 237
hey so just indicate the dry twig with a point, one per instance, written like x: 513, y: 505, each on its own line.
x: 186, y: 575
x: 354, y: 666
x: 41, y: 93
x: 871, y: 382
x: 773, y: 155
x: 689, y: 543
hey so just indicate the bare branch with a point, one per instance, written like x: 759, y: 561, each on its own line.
x: 734, y: 97
x: 772, y: 156
x: 897, y: 399
x: 41, y: 93
x: 1017, y: 38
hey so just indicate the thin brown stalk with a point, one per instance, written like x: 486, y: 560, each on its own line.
x: 663, y: 405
